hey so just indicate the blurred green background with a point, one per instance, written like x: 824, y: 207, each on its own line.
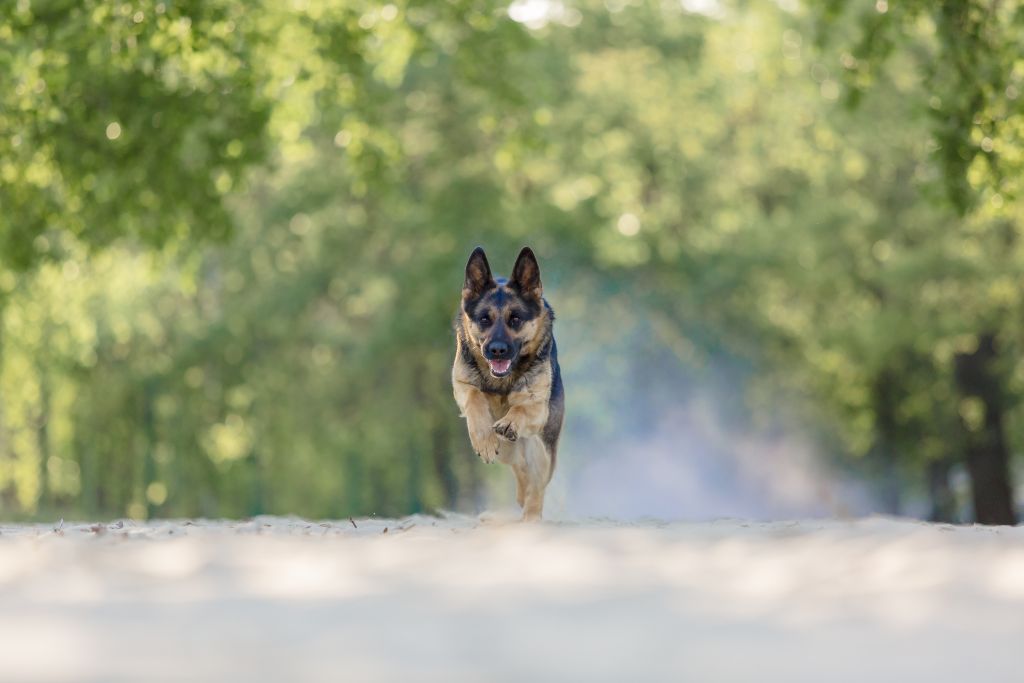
x: 232, y: 237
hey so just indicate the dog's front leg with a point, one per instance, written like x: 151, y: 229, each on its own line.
x: 473, y: 404
x: 522, y: 420
x: 528, y: 410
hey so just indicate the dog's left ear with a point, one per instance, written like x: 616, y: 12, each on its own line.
x: 526, y: 275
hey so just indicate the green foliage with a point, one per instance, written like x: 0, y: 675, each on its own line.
x: 707, y: 210
x: 123, y: 119
x: 967, y: 55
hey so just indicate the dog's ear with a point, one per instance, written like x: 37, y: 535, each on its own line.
x: 478, y: 275
x: 526, y: 275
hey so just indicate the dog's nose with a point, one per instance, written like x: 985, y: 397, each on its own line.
x: 497, y: 349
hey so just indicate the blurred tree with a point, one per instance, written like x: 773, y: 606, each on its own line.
x: 968, y: 59
x: 123, y: 119
x: 966, y: 54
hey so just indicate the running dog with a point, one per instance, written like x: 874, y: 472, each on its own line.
x: 506, y: 377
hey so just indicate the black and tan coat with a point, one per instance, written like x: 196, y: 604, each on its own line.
x: 506, y: 377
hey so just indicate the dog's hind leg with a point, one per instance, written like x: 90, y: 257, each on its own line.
x: 532, y: 469
x: 513, y: 454
x: 521, y: 484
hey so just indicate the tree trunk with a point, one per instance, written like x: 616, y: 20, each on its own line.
x: 943, y: 502
x: 442, y: 455
x: 5, y: 495
x: 43, y: 439
x: 883, y: 450
x: 981, y: 417
x: 148, y: 456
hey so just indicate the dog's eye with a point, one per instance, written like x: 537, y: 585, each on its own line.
x: 514, y: 321
x: 484, y: 320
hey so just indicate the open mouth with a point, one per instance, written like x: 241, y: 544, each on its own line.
x: 499, y: 368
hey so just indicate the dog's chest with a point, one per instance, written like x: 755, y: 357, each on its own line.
x: 498, y: 405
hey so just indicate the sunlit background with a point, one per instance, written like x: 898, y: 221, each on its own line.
x: 781, y: 239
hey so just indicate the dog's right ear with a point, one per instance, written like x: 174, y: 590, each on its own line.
x: 478, y: 275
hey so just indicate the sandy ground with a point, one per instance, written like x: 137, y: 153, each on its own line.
x: 458, y: 599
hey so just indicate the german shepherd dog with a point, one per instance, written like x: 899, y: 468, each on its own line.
x: 506, y: 377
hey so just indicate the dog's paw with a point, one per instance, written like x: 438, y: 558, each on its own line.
x: 506, y: 429
x: 485, y: 443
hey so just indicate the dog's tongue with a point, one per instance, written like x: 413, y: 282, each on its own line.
x: 499, y: 367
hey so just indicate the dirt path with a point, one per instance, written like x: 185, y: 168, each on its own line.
x: 457, y: 600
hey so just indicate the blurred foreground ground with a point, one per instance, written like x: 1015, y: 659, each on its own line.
x: 458, y: 599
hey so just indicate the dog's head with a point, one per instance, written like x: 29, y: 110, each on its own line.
x: 503, y: 318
